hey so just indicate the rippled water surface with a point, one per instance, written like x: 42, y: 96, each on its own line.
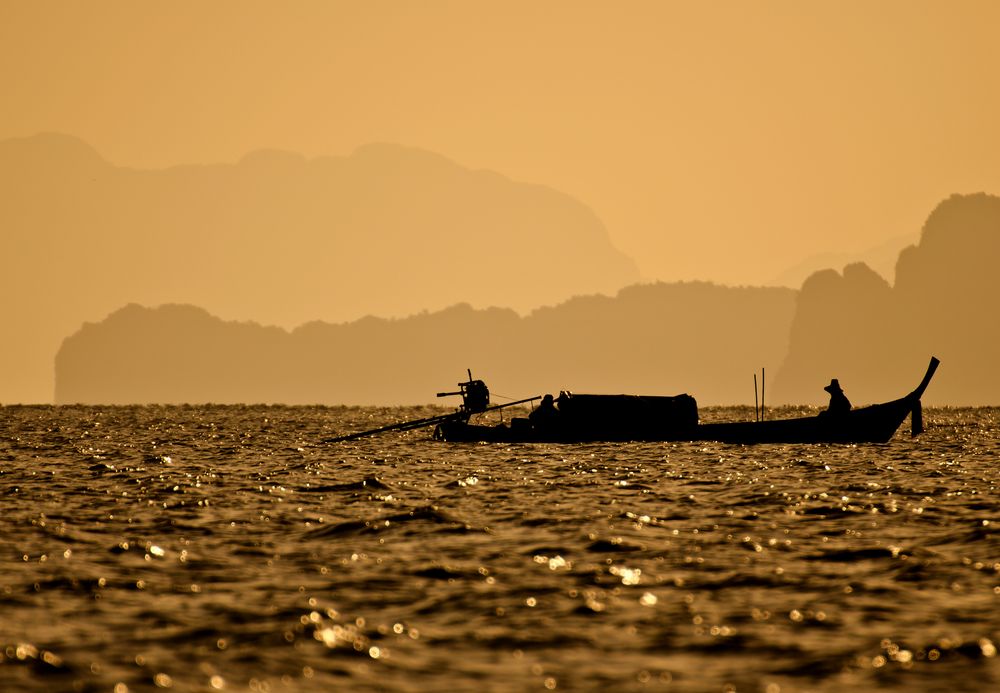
x: 230, y: 548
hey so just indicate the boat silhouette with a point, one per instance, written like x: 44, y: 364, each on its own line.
x: 593, y: 418
x: 587, y: 418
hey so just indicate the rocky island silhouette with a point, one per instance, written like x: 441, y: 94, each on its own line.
x: 417, y: 240
x: 651, y: 339
x: 277, y: 238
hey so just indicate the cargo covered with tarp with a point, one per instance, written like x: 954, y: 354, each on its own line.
x: 627, y: 416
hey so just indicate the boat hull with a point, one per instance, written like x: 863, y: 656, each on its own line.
x: 875, y: 424
x: 859, y: 426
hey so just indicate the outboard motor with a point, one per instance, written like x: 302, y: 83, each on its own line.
x: 475, y: 395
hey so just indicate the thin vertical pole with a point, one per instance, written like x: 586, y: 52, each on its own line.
x: 756, y: 403
x: 762, y: 394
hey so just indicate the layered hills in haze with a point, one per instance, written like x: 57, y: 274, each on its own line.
x: 699, y: 338
x: 387, y: 231
x: 428, y: 246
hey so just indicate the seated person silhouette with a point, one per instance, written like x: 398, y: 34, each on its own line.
x: 839, y: 404
x: 545, y: 415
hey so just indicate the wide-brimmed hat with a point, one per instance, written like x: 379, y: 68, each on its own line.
x: 834, y: 386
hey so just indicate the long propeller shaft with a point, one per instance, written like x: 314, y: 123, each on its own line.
x: 420, y: 423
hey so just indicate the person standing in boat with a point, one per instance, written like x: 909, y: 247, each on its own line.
x: 545, y: 415
x: 839, y: 404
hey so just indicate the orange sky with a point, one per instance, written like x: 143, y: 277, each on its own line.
x: 717, y: 140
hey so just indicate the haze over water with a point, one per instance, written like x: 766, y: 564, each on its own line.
x: 333, y: 202
x: 346, y: 159
x: 229, y: 548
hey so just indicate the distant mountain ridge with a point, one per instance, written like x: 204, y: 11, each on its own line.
x: 388, y: 230
x: 657, y: 338
x: 881, y: 258
x: 285, y: 240
x: 693, y: 337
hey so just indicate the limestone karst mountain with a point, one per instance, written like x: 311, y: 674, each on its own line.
x: 391, y: 231
x: 875, y: 338
x: 277, y: 238
x: 652, y: 339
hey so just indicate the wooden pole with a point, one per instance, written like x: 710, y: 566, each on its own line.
x: 762, y: 381
x: 756, y: 403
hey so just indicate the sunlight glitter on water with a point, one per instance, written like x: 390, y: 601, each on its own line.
x: 228, y: 547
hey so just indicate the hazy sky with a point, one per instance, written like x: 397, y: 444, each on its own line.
x: 717, y: 140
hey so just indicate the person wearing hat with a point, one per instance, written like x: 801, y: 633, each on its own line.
x: 546, y: 415
x: 839, y: 404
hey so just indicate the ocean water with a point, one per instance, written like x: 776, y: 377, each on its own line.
x: 230, y: 548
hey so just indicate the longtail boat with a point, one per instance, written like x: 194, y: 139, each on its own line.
x: 591, y: 418
x: 583, y: 418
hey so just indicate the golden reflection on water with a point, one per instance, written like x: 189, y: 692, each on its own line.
x: 259, y: 559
